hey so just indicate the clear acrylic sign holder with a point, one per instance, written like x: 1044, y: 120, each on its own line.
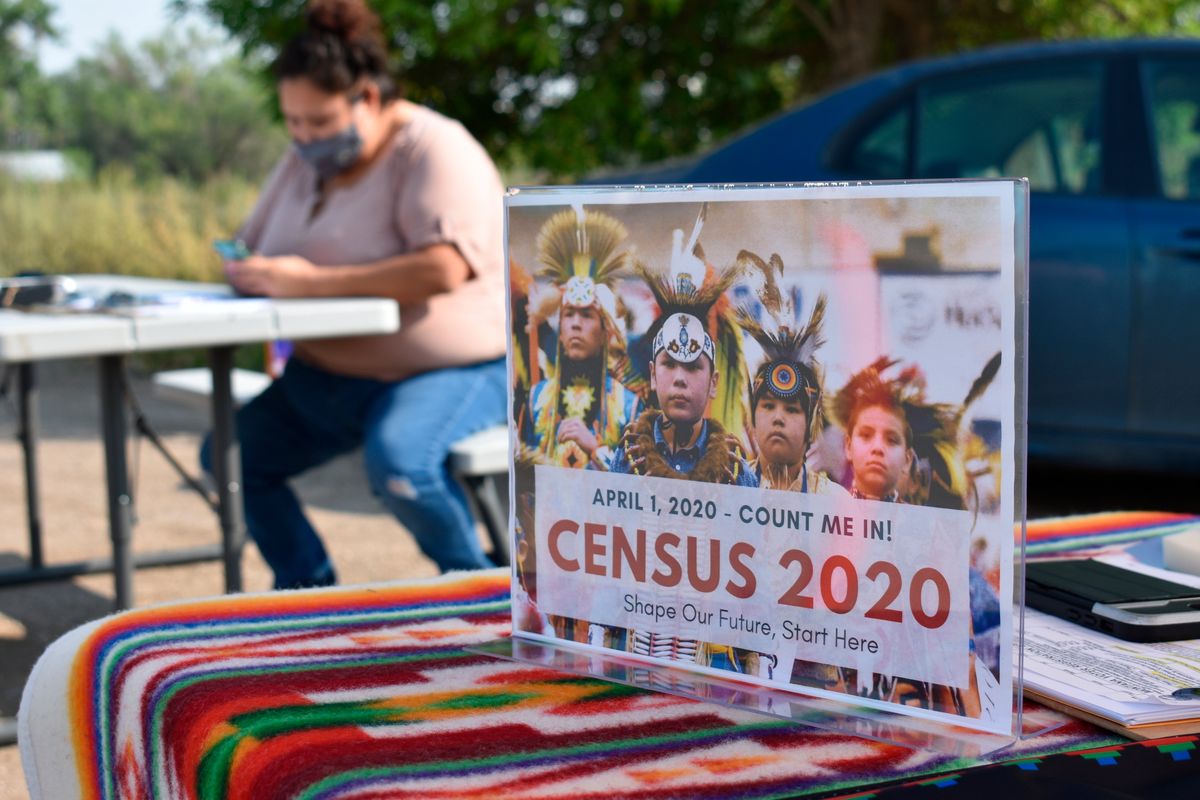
x: 827, y: 711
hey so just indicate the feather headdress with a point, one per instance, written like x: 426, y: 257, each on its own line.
x: 789, y: 369
x: 577, y: 250
x: 939, y: 475
x: 685, y: 294
x: 521, y: 282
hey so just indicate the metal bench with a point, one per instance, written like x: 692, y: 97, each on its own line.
x: 480, y: 461
x: 193, y: 387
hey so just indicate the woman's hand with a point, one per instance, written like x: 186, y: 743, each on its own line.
x: 274, y: 276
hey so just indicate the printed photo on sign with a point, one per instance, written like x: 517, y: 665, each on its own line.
x: 766, y: 432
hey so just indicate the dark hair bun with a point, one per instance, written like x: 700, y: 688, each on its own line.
x: 349, y: 20
x: 342, y: 44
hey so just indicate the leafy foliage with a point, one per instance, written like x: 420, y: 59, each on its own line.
x: 168, y: 107
x: 26, y: 107
x: 565, y: 86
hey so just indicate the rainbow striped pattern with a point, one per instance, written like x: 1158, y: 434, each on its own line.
x: 1108, y: 530
x: 369, y: 692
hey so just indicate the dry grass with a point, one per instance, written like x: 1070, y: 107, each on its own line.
x: 116, y: 225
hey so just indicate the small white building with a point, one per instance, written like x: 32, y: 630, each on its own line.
x: 45, y: 166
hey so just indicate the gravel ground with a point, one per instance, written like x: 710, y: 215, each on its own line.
x: 366, y: 543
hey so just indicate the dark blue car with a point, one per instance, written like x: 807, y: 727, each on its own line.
x: 1108, y: 134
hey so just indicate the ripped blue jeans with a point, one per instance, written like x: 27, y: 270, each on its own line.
x: 309, y: 416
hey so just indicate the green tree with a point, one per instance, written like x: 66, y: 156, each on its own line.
x: 565, y: 86
x: 170, y: 106
x: 857, y: 36
x: 27, y: 106
x: 569, y: 85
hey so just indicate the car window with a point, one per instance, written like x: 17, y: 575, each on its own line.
x: 882, y: 152
x: 1172, y: 89
x: 1041, y: 122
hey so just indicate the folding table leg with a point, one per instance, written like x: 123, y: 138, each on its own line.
x: 27, y: 405
x: 227, y: 466
x: 120, y: 501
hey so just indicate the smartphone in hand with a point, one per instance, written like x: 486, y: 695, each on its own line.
x: 232, y: 249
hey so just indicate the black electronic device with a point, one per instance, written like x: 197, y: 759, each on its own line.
x: 26, y: 291
x: 1120, y: 602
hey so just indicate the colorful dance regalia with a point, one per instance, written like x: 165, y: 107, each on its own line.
x: 715, y: 457
x: 693, y: 651
x: 811, y: 482
x: 618, y: 406
x: 578, y: 252
x: 789, y: 375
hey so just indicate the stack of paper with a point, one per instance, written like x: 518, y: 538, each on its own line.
x: 1140, y: 690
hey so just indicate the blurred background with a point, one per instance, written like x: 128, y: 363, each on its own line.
x: 135, y: 132
x: 142, y: 127
x: 138, y: 130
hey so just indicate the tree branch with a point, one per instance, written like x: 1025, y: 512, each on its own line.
x: 820, y: 23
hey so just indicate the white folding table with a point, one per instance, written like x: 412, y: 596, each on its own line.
x: 191, y: 315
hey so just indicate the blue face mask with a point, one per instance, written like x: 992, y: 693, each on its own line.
x: 335, y: 154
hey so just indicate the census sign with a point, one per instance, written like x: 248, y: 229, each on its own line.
x: 724, y: 461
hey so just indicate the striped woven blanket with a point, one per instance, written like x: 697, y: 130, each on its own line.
x: 369, y: 692
x: 1102, y: 531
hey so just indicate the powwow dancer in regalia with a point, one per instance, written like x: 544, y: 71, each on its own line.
x: 676, y: 440
x: 901, y: 447
x: 786, y: 407
x: 728, y: 407
x: 786, y: 391
x: 577, y: 414
x: 904, y: 449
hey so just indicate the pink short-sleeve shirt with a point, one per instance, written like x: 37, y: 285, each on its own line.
x: 435, y: 184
